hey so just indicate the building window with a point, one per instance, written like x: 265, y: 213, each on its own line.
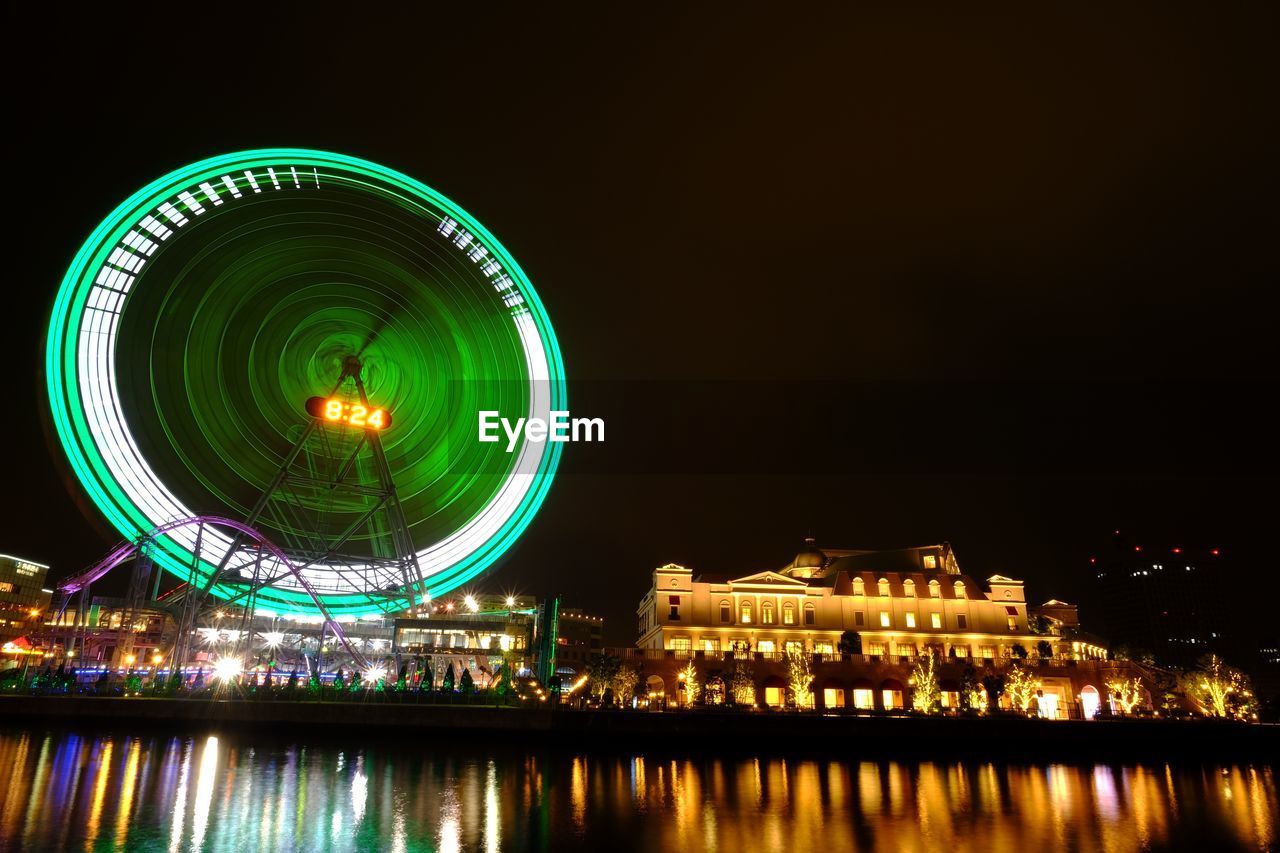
x: 745, y: 616
x: 911, y: 620
x: 935, y: 591
x: 960, y: 589
x: 875, y: 649
x: 930, y: 561
x: 766, y: 613
x: 674, y: 602
x: 935, y: 619
x: 1012, y: 613
x: 1013, y: 623
x: 793, y: 647
x: 863, y: 698
x: 788, y: 613
x: 884, y: 586
x: 858, y: 587
x: 711, y: 645
x: 681, y: 646
x: 962, y: 621
x: 766, y: 646
x: 810, y: 615
x: 909, y: 588
x: 907, y: 650
x: 726, y: 611
x: 960, y: 651
x: 859, y: 618
x: 6, y: 587
x: 884, y: 619
x: 987, y: 651
x: 823, y: 647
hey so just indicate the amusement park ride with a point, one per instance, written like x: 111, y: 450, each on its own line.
x: 264, y: 368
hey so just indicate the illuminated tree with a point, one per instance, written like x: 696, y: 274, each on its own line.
x: 601, y: 670
x: 449, y: 679
x: 1021, y: 686
x: 972, y: 691
x: 1127, y: 693
x: 926, y: 697
x: 1221, y: 690
x: 800, y: 678
x: 624, y: 683
x: 742, y: 685
x: 466, y: 684
x: 690, y: 686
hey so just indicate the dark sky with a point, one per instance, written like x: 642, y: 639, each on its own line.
x: 892, y: 279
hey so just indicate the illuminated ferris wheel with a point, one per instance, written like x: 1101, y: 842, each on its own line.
x: 266, y: 368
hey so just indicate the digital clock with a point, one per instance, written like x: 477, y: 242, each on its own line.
x: 353, y: 414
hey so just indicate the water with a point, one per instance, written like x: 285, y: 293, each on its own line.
x: 97, y: 791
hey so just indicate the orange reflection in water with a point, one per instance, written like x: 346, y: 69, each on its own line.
x: 62, y: 791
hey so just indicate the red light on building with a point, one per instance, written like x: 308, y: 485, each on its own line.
x: 1137, y: 547
x: 1093, y: 559
x: 1177, y: 550
x: 1214, y: 552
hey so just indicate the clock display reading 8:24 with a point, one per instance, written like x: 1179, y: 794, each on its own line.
x: 353, y: 414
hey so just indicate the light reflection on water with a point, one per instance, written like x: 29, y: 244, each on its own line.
x: 117, y: 792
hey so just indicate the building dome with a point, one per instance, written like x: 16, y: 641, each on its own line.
x: 810, y: 557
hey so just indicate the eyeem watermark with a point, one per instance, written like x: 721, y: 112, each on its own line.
x: 561, y: 427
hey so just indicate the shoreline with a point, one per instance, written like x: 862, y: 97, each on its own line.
x: 698, y: 731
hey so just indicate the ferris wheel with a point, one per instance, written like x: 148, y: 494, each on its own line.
x: 265, y: 368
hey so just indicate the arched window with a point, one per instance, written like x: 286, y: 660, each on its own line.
x: 960, y: 589
x: 935, y: 591
x: 726, y: 611
x: 909, y: 588
x: 788, y: 613
x: 745, y: 613
x: 766, y: 613
x: 858, y: 587
x: 810, y: 615
x: 884, y: 586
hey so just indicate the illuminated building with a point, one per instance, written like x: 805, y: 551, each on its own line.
x: 24, y: 600
x: 863, y: 618
x: 580, y: 636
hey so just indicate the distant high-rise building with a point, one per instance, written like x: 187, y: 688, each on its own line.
x: 1160, y: 598
x: 24, y: 601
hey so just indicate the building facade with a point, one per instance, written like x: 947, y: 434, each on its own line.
x: 1163, y: 599
x: 24, y: 599
x: 862, y: 618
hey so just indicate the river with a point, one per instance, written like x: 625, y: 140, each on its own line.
x: 95, y: 790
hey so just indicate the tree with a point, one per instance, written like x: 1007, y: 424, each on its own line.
x: 972, y: 692
x: 1044, y: 649
x: 601, y: 669
x: 926, y: 697
x: 625, y: 681
x: 466, y: 684
x: 850, y: 643
x: 742, y: 685
x: 1038, y: 624
x: 1221, y: 690
x: 994, y: 685
x: 690, y: 686
x: 1021, y: 686
x: 1019, y: 651
x: 800, y: 678
x: 449, y: 680
x: 1127, y: 693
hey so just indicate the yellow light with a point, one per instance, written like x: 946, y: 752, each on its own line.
x: 220, y: 615
x: 34, y: 613
x: 511, y: 601
x: 471, y: 603
x: 227, y: 669
x: 129, y: 659
x: 157, y: 658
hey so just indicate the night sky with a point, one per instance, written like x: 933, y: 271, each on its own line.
x: 889, y: 279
